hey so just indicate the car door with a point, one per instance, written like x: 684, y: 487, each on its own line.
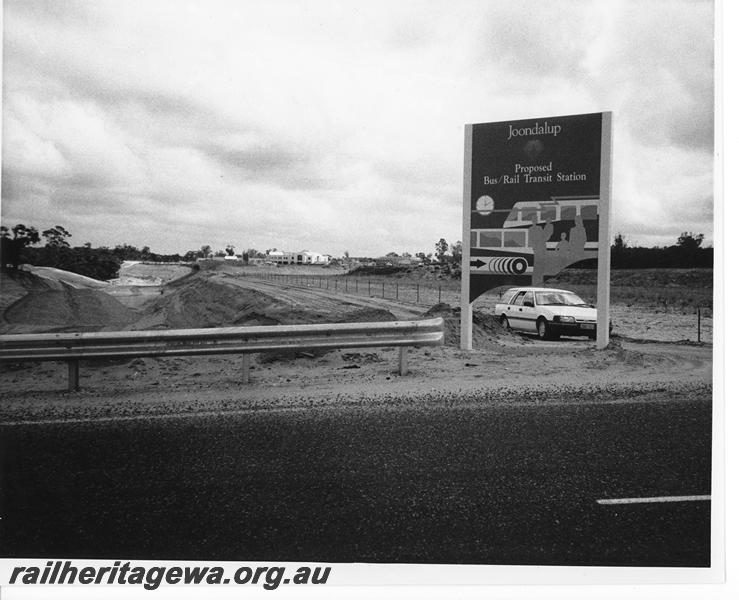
x: 527, y: 312
x: 514, y: 311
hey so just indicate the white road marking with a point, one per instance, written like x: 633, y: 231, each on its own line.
x: 655, y: 499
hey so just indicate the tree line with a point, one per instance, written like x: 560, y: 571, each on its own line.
x: 686, y: 252
x: 21, y: 244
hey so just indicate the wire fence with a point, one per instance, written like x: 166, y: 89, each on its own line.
x: 693, y: 326
x: 418, y: 293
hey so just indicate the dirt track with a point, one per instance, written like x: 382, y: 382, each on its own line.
x: 330, y: 302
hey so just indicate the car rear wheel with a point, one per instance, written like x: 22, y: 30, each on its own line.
x: 504, y: 322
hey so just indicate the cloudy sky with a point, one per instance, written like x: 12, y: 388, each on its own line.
x: 335, y: 125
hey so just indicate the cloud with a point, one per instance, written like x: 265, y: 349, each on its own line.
x: 312, y: 125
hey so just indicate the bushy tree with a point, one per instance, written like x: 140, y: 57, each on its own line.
x: 441, y: 249
x: 619, y: 243
x: 56, y: 237
x: 12, y: 245
x: 690, y: 240
x: 457, y: 253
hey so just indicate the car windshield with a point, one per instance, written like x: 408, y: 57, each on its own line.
x: 559, y: 299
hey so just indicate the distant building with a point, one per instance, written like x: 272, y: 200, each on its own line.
x: 398, y: 261
x: 304, y: 257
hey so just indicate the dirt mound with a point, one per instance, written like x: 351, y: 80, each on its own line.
x: 48, y: 309
x: 367, y: 315
x: 486, y: 331
x: 204, y: 301
x: 61, y: 277
x: 16, y: 284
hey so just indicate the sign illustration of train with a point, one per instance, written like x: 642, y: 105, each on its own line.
x: 538, y: 238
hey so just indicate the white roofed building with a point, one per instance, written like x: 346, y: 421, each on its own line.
x: 304, y: 257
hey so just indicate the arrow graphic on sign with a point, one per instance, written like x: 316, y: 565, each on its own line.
x: 478, y: 263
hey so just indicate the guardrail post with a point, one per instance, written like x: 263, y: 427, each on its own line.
x: 245, y: 364
x: 73, y: 379
x: 402, y: 360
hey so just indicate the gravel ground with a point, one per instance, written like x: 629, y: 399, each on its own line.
x: 556, y: 372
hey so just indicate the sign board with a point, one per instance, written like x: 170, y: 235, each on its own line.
x: 536, y: 200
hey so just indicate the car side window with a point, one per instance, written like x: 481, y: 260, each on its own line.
x: 528, y: 297
x: 518, y: 300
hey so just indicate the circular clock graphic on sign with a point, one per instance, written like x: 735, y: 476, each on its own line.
x: 485, y: 205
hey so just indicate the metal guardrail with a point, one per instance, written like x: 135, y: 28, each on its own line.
x: 72, y: 347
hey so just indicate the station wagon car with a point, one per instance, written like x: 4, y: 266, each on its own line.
x: 549, y: 313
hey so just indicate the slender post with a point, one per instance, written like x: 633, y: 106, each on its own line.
x: 465, y: 305
x: 604, y: 233
x: 418, y: 293
x: 396, y: 290
x: 439, y: 294
x: 73, y: 379
x: 699, y: 325
x: 403, y: 360
x: 383, y: 288
x: 245, y: 364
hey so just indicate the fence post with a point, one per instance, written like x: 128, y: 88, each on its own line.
x: 418, y: 293
x: 402, y: 360
x: 396, y: 290
x: 73, y: 379
x: 383, y: 288
x: 439, y: 293
x: 699, y: 325
x: 245, y: 364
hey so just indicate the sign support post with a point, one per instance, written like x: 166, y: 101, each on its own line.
x: 465, y: 305
x: 604, y: 234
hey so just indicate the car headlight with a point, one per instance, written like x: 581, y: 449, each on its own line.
x: 564, y: 319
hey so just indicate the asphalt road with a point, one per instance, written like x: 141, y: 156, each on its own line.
x: 467, y: 484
